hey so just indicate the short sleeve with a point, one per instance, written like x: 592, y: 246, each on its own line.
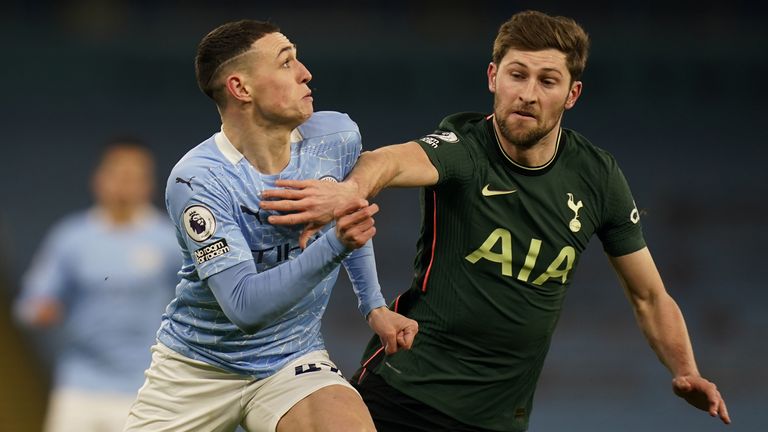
x: 620, y: 231
x: 447, y: 151
x: 352, y: 146
x: 207, y: 226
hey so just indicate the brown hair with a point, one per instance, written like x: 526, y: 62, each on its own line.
x: 535, y: 31
x: 224, y: 43
x: 126, y: 142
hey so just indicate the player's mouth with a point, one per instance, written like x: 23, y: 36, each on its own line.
x: 308, y: 97
x: 525, y: 114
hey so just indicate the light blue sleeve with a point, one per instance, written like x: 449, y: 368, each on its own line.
x: 361, y: 268
x: 206, y: 223
x: 361, y: 264
x: 354, y: 145
x: 253, y: 300
x: 49, y: 274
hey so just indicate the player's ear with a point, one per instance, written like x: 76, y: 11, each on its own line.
x: 236, y: 87
x: 492, y: 71
x: 573, y: 94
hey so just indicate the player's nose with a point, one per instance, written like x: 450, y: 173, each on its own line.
x: 305, y: 74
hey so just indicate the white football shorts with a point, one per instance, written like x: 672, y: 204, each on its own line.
x: 181, y: 394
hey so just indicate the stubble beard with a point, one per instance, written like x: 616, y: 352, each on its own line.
x: 525, y: 139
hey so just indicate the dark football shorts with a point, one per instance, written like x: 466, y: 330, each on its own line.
x: 393, y: 411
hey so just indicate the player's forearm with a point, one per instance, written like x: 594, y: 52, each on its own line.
x: 663, y: 324
x: 401, y: 165
x: 254, y: 300
x: 657, y: 314
x: 361, y: 268
x: 373, y: 171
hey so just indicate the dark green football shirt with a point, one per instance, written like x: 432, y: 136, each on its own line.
x: 498, y: 247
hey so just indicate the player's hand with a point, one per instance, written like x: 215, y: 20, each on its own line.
x: 354, y: 223
x: 702, y: 394
x: 43, y: 312
x: 395, y: 331
x: 310, y: 202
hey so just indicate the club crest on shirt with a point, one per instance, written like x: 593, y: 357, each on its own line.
x: 198, y: 222
x: 574, y: 224
x: 329, y: 178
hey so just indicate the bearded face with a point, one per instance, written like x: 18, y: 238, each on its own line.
x: 531, y: 91
x: 517, y: 131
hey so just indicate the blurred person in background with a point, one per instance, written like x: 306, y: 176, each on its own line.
x: 241, y: 343
x: 99, y: 283
x: 510, y: 200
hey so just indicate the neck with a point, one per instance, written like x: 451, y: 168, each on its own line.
x: 266, y: 147
x: 537, y: 155
x: 119, y: 215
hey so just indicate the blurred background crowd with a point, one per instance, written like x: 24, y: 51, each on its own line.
x: 676, y: 92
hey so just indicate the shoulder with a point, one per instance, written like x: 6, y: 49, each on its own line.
x: 323, y: 123
x: 199, y: 166
x: 331, y: 135
x: 456, y: 128
x: 70, y: 228
x: 198, y: 161
x: 583, y: 151
x: 197, y: 171
x: 74, y: 222
x: 157, y: 219
x: 463, y: 121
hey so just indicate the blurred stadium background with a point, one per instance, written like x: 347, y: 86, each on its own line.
x: 676, y: 93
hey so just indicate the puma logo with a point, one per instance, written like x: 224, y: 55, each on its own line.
x: 246, y: 210
x: 186, y: 182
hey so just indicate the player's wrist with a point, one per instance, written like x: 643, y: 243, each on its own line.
x: 336, y: 244
x: 353, y: 188
x: 369, y: 304
x: 376, y: 312
x: 687, y: 374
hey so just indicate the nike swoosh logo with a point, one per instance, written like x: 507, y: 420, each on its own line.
x: 488, y: 192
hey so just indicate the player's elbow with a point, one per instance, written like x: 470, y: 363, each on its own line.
x: 248, y: 326
x: 249, y: 329
x: 251, y: 323
x: 648, y: 300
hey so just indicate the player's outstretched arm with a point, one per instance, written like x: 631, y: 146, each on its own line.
x: 313, y: 202
x: 663, y: 324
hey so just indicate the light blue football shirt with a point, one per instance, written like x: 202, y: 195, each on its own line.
x: 213, y: 196
x: 114, y: 282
